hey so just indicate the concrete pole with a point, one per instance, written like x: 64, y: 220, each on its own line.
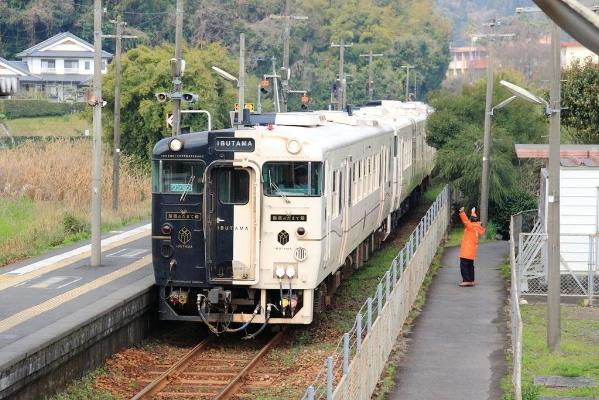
x: 275, y: 85
x: 177, y: 70
x: 241, y: 80
x: 284, y: 80
x: 370, y: 78
x: 117, y: 115
x: 259, y: 100
x: 96, y: 217
x: 408, y: 83
x: 484, y: 191
x: 341, y: 96
x: 553, y: 206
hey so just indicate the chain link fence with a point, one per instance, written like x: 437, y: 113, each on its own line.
x: 579, y: 275
x: 352, y: 370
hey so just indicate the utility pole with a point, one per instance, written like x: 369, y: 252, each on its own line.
x: 484, y: 192
x: 119, y: 23
x: 553, y: 189
x: 96, y: 217
x: 553, y: 223
x: 176, y: 70
x: 407, y: 68
x: 370, y: 81
x: 241, y: 79
x: 286, y: 37
x: 275, y: 85
x: 341, y: 88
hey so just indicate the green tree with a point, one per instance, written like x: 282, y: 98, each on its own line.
x: 456, y: 130
x: 146, y: 71
x: 580, y: 98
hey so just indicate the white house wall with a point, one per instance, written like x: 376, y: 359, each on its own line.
x: 579, y: 187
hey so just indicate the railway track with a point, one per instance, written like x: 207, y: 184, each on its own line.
x: 210, y: 370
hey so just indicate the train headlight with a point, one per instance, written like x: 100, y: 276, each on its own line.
x: 290, y: 272
x: 175, y: 144
x: 166, y: 229
x: 280, y: 272
x: 294, y: 146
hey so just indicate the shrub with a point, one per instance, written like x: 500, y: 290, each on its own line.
x: 37, y: 108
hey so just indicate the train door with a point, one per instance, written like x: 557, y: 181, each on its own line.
x: 231, y: 213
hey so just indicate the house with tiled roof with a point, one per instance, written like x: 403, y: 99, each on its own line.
x: 56, y: 68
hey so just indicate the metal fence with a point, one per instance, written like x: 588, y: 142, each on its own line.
x: 353, y: 368
x: 579, y: 274
x: 516, y: 317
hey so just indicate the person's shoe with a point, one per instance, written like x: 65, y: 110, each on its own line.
x: 466, y: 284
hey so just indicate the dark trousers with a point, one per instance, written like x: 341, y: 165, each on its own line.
x: 467, y: 269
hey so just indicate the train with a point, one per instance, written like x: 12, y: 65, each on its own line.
x: 257, y: 225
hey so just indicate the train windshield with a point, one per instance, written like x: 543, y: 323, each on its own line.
x: 178, y: 177
x: 292, y: 178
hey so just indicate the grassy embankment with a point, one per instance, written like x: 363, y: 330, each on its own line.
x: 66, y: 125
x: 45, y: 196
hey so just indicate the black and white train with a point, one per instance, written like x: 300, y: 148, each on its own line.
x: 258, y: 225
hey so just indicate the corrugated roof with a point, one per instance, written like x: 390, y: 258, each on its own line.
x: 571, y: 155
x: 55, y: 39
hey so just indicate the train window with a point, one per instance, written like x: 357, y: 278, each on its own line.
x: 175, y: 176
x: 293, y: 178
x: 233, y: 186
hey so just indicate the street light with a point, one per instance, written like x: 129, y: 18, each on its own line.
x: 224, y: 74
x: 524, y: 94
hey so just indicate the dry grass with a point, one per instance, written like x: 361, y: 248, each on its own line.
x: 45, y: 196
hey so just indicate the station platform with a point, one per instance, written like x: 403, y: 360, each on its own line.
x: 59, y: 317
x: 456, y: 349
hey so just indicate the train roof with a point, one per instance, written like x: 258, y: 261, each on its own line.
x: 325, y: 129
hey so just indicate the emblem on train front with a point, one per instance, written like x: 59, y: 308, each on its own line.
x: 283, y: 237
x: 184, y: 235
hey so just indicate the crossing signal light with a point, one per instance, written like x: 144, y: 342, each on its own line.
x: 162, y: 97
x: 190, y: 97
x: 264, y: 86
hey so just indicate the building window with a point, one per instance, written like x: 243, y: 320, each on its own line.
x: 103, y: 65
x: 71, y: 64
x: 87, y: 65
x: 48, y: 65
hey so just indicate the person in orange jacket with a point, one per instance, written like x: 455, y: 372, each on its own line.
x: 472, y: 231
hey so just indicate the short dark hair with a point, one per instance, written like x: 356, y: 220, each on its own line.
x: 474, y: 218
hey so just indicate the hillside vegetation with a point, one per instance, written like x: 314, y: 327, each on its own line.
x: 406, y: 31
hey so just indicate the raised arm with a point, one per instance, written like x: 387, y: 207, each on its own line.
x: 464, y: 218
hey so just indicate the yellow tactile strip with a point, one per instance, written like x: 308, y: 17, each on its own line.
x: 9, y: 281
x: 57, y: 301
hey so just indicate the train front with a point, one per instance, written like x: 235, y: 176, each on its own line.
x: 206, y: 238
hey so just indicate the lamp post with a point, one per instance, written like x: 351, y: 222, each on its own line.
x: 553, y: 218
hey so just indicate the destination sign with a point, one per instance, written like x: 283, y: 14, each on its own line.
x: 183, y: 216
x: 245, y: 145
x: 288, y: 217
x: 181, y: 187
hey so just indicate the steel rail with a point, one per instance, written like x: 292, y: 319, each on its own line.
x: 159, y: 383
x: 235, y: 383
